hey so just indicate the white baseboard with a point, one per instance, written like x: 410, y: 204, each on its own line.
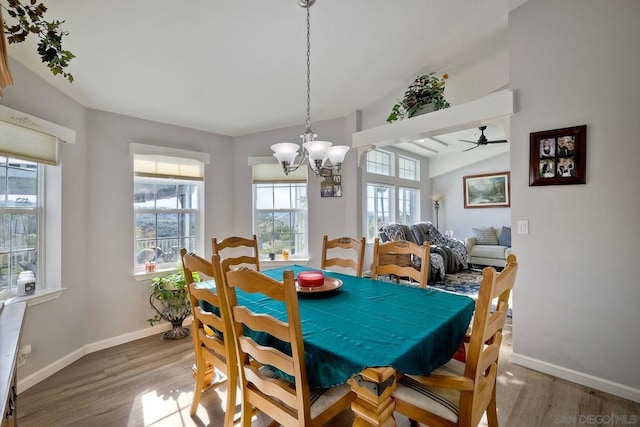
x: 121, y: 339
x: 597, y: 383
x: 47, y: 371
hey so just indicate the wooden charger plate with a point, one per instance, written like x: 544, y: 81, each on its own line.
x: 330, y: 284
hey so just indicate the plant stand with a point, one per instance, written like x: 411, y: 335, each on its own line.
x: 177, y: 331
x: 175, y: 315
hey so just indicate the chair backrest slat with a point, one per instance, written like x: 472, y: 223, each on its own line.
x: 343, y: 244
x: 395, y: 257
x: 230, y: 245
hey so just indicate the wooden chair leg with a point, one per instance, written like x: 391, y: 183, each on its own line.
x: 197, y: 392
x: 247, y: 413
x: 232, y: 392
x: 492, y: 410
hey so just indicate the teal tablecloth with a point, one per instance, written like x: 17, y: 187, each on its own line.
x: 369, y: 323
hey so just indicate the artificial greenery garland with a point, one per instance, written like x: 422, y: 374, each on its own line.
x: 29, y: 18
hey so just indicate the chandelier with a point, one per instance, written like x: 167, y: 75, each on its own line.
x: 323, y: 157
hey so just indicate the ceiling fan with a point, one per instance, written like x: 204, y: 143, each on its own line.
x: 483, y: 140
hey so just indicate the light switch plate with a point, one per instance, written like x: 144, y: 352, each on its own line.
x: 523, y: 226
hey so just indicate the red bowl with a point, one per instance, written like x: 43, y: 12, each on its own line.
x: 310, y: 279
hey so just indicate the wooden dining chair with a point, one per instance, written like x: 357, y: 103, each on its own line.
x: 458, y: 394
x: 210, y: 330
x: 288, y: 402
x: 346, y: 244
x: 237, y: 248
x: 398, y: 258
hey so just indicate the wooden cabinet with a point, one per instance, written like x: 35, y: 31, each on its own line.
x: 11, y: 320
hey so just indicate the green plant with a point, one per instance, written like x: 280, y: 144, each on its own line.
x: 29, y: 18
x: 171, y: 293
x: 425, y: 89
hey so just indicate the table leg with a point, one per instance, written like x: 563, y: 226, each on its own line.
x: 374, y: 405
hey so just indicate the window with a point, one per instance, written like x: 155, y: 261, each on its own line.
x: 30, y: 203
x: 378, y: 207
x: 408, y: 168
x: 279, y: 209
x: 167, y: 205
x: 166, y: 220
x: 408, y: 203
x: 393, y: 190
x: 21, y: 221
x: 281, y: 218
x: 380, y: 162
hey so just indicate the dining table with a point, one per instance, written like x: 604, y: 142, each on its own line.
x: 368, y: 333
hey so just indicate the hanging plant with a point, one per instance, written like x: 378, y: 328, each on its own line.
x: 29, y: 18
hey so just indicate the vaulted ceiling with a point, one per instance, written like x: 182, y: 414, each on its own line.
x: 238, y: 67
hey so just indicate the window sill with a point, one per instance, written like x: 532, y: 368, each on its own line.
x: 140, y: 277
x: 267, y: 263
x: 39, y: 297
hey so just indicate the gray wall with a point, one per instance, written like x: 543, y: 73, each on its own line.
x: 55, y: 329
x: 334, y: 216
x: 453, y: 215
x: 102, y: 300
x: 116, y: 298
x: 576, y: 62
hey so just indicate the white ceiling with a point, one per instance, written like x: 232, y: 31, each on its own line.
x: 238, y: 67
x: 455, y: 142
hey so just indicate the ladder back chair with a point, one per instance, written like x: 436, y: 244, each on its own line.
x: 210, y: 330
x: 398, y: 258
x: 288, y: 403
x: 458, y: 394
x: 234, y: 245
x: 343, y: 243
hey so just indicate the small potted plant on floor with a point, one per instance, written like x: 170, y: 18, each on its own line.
x: 424, y: 95
x: 171, y: 295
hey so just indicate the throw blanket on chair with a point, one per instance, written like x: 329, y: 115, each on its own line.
x: 393, y: 232
x: 456, y: 245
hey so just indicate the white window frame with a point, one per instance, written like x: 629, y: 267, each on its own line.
x: 391, y: 209
x: 372, y: 165
x: 415, y: 214
x: 173, y: 166
x: 168, y: 265
x: 40, y: 213
x: 416, y: 172
x: 49, y: 283
x: 303, y: 212
x: 396, y: 184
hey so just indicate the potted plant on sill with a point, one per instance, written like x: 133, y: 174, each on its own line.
x: 424, y: 95
x: 171, y: 294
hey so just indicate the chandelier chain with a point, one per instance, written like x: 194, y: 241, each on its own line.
x: 308, y: 122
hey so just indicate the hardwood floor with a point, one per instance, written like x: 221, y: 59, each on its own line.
x: 148, y: 383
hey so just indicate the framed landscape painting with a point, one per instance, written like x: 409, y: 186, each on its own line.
x: 490, y: 190
x: 558, y: 157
